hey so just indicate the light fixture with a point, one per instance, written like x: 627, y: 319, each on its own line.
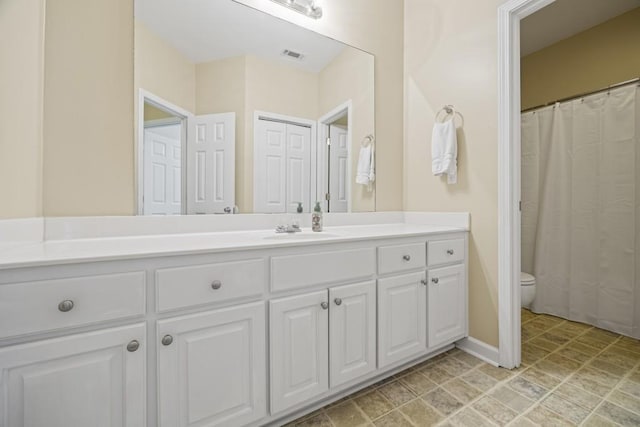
x: 306, y: 7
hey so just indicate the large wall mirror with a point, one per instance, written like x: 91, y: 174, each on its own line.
x: 239, y: 111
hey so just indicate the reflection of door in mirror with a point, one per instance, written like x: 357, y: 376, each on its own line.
x: 186, y: 163
x: 338, y: 170
x: 282, y: 164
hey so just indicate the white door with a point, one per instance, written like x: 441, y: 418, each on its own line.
x: 211, y: 368
x: 338, y: 169
x: 299, y: 342
x: 211, y: 163
x: 352, y: 331
x: 447, y: 298
x: 402, y: 318
x: 88, y: 379
x: 282, y: 167
x: 163, y: 170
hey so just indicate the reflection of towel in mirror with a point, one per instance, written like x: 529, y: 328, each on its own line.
x: 365, y: 174
x: 444, y: 151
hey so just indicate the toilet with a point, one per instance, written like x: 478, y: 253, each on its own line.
x: 527, y: 289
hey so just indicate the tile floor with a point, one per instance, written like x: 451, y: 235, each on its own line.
x: 571, y: 374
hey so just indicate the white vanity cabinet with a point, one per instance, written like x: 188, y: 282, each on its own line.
x: 319, y: 340
x: 447, y: 310
x: 89, y: 379
x: 211, y: 367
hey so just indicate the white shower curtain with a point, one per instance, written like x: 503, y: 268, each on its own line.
x: 581, y: 208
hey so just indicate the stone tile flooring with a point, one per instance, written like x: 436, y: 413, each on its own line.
x: 571, y: 374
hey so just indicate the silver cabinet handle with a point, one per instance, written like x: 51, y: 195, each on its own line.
x: 167, y: 340
x: 133, y: 346
x: 324, y: 305
x: 435, y: 280
x: 216, y: 284
x: 407, y: 257
x: 450, y: 251
x: 424, y: 282
x: 338, y: 301
x: 65, y: 305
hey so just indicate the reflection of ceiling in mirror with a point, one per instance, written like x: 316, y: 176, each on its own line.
x: 207, y: 30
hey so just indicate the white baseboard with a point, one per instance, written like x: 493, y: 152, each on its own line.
x: 479, y: 349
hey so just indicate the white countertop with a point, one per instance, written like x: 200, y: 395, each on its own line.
x: 116, y: 248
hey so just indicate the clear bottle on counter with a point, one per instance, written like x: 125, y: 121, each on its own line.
x: 316, y: 218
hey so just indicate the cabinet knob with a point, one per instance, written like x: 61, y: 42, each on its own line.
x: 65, y: 305
x: 424, y: 282
x: 407, y: 257
x: 167, y: 340
x: 324, y: 305
x: 435, y: 280
x: 216, y: 284
x: 133, y: 346
x: 450, y: 251
x: 338, y: 301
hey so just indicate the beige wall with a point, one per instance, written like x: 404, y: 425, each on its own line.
x: 88, y: 108
x: 21, y: 83
x: 375, y: 26
x: 162, y: 70
x: 350, y: 76
x: 601, y: 56
x: 451, y: 58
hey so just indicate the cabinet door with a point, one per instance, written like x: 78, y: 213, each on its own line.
x: 447, y: 296
x: 402, y: 318
x: 212, y: 369
x: 352, y: 331
x: 87, y: 379
x: 299, y: 343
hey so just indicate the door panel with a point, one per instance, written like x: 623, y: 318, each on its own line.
x: 402, y: 318
x: 447, y: 305
x: 211, y: 163
x: 352, y: 331
x: 299, y: 342
x: 88, y: 379
x: 213, y: 372
x: 338, y: 167
x: 298, y: 167
x: 162, y: 170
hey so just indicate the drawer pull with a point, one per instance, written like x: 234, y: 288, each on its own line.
x: 324, y: 305
x: 450, y: 251
x: 133, y: 346
x: 435, y: 280
x: 65, y: 305
x: 216, y: 284
x: 167, y: 340
x: 338, y: 301
x: 407, y: 257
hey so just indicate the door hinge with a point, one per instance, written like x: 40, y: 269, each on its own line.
x: 329, y: 142
x: 520, y: 205
x: 327, y: 196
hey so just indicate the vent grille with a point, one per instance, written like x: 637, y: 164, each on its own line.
x: 293, y: 55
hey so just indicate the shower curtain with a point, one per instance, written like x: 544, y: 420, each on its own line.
x: 581, y: 208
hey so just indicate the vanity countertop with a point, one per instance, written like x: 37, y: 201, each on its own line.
x: 56, y: 252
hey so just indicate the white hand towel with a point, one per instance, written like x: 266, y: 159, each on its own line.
x: 365, y: 173
x: 444, y: 151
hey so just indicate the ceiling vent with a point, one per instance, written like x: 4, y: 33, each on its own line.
x: 293, y: 55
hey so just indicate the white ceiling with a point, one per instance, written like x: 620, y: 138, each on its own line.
x: 206, y: 30
x: 565, y: 18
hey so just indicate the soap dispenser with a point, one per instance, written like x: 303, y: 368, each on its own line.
x: 316, y: 218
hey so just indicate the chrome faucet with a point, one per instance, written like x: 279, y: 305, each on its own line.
x: 290, y: 228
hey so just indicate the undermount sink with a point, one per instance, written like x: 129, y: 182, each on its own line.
x: 302, y: 236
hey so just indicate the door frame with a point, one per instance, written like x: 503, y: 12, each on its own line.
x: 509, y: 16
x: 323, y: 133
x: 183, y: 115
x: 298, y: 121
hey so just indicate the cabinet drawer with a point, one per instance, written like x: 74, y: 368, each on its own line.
x: 53, y: 304
x: 445, y: 251
x: 210, y: 283
x: 396, y: 258
x: 294, y: 271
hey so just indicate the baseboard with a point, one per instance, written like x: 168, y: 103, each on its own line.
x: 480, y: 350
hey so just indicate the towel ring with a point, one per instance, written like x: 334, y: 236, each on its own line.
x: 449, y: 111
x: 367, y: 140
